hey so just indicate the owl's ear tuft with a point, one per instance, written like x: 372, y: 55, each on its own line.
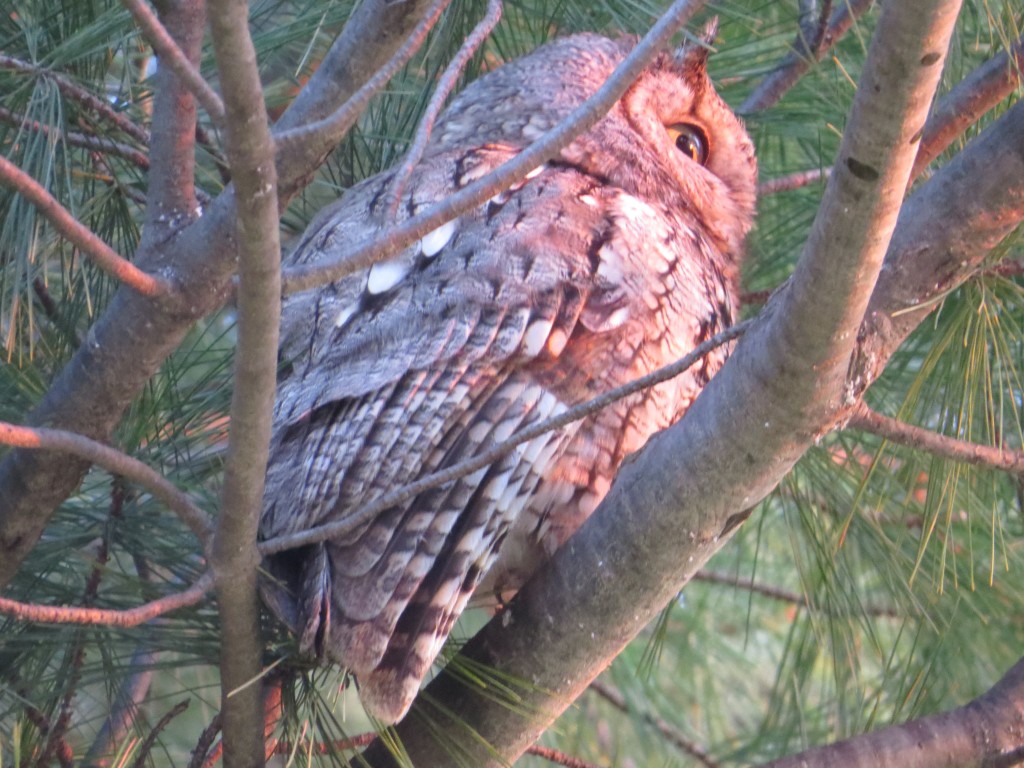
x: 693, y: 55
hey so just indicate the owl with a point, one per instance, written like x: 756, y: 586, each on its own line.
x: 615, y: 258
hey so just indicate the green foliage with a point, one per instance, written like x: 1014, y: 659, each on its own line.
x: 898, y: 575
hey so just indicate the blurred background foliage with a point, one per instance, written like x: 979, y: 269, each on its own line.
x: 875, y: 585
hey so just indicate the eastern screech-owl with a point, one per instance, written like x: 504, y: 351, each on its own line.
x: 615, y: 258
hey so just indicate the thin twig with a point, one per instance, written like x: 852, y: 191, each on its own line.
x: 579, y: 121
x: 205, y: 741
x: 756, y: 297
x: 792, y: 181
x: 115, y: 462
x: 173, y: 57
x: 947, y: 447
x: 558, y: 757
x: 784, y: 595
x: 78, y: 234
x: 106, y: 617
x: 76, y: 139
x: 1006, y: 268
x: 326, y: 747
x: 573, y: 414
x: 363, y: 739
x: 317, y: 138
x: 798, y: 61
x: 445, y: 86
x: 666, y: 729
x: 107, y: 176
x: 78, y: 94
x: 812, y: 26
x: 43, y: 294
x: 75, y: 654
x: 124, y: 709
x: 147, y: 745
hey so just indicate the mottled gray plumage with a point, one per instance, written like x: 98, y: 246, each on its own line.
x: 613, y: 260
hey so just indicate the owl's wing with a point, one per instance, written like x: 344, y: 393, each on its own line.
x: 409, y: 368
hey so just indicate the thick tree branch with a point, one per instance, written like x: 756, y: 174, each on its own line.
x: 79, y: 235
x: 134, y: 336
x: 172, y: 56
x: 116, y: 463
x: 986, y: 732
x: 971, y: 98
x: 376, y: 30
x: 947, y: 228
x: 171, y: 194
x: 314, y: 140
x: 954, y: 113
x: 235, y: 559
x: 680, y: 499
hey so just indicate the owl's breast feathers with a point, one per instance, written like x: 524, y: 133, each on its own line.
x: 552, y: 292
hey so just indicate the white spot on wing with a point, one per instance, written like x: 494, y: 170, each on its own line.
x: 616, y: 319
x: 610, y: 266
x: 505, y: 429
x: 535, y: 337
x: 386, y: 275
x: 536, y: 172
x: 345, y: 314
x: 479, y: 431
x: 588, y: 503
x: 433, y: 242
x: 556, y: 342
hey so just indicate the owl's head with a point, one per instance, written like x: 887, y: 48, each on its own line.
x: 670, y: 139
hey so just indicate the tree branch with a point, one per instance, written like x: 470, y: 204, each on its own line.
x: 784, y: 595
x: 971, y: 98
x: 373, y: 34
x: 798, y: 61
x: 792, y: 181
x: 947, y: 228
x: 235, y: 559
x: 83, y: 238
x: 686, y: 491
x: 449, y: 79
x: 671, y: 734
x: 78, y: 94
x: 133, y: 337
x: 173, y: 57
x: 116, y: 463
x: 131, y: 617
x: 314, y: 140
x: 941, y: 445
x: 76, y: 139
x: 986, y: 732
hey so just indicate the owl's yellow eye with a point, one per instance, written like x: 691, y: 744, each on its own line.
x: 690, y: 140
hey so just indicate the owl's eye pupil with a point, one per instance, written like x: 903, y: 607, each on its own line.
x: 690, y: 140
